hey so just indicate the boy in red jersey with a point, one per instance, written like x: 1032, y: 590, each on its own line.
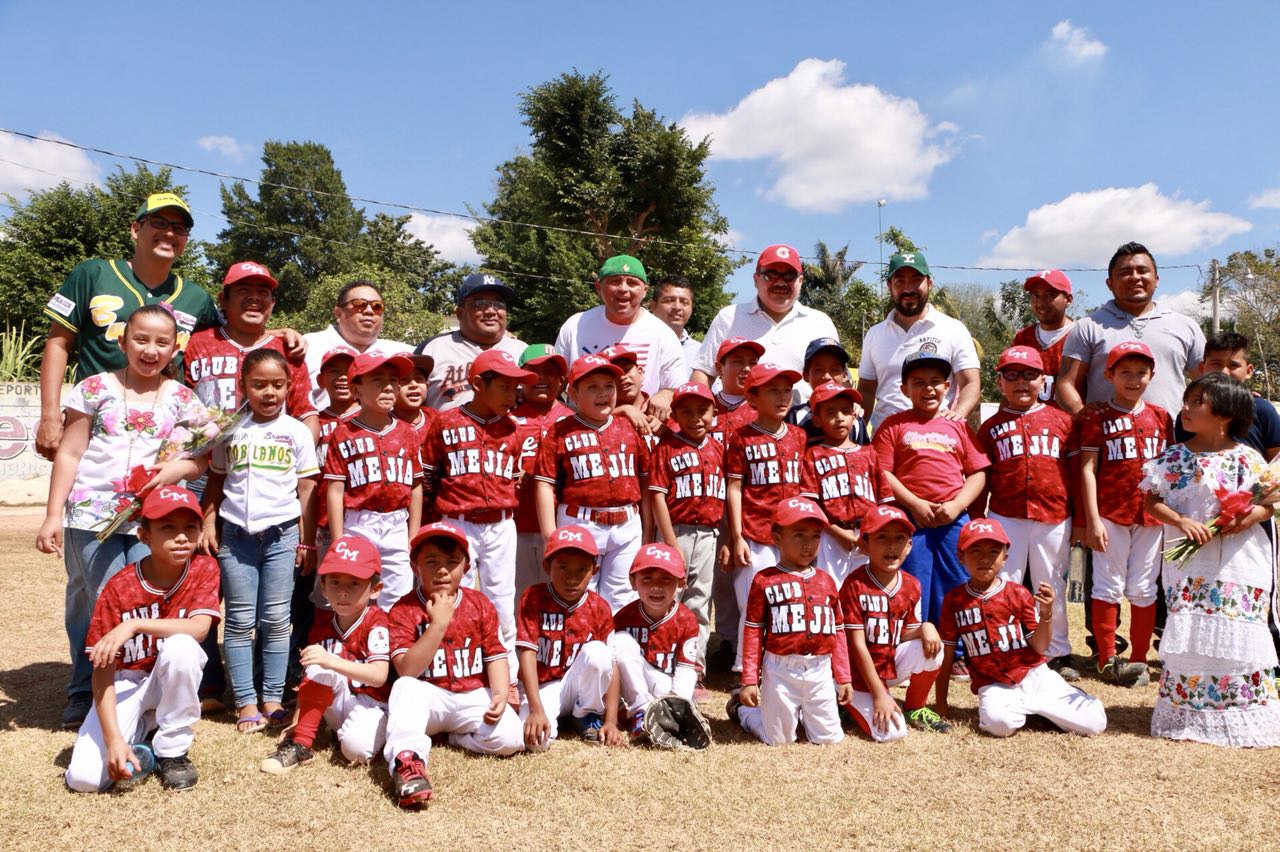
x: 1051, y: 295
x: 411, y: 399
x: 734, y: 360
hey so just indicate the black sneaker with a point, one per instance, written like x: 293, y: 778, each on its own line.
x: 1123, y: 673
x: 77, y: 709
x: 1064, y: 667
x: 732, y: 706
x: 287, y: 755
x: 177, y: 773
x: 409, y: 773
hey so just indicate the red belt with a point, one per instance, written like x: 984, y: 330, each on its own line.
x: 487, y: 516
x: 604, y: 517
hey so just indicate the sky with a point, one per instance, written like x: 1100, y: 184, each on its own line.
x: 999, y: 135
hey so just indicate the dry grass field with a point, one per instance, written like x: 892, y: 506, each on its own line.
x: 1038, y: 790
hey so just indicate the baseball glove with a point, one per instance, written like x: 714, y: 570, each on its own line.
x: 676, y: 723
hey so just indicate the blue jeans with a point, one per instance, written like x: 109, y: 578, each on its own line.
x: 934, y: 560
x: 257, y: 585
x: 89, y: 566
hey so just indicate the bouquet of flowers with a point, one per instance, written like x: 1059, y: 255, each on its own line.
x: 1231, y: 505
x: 194, y: 435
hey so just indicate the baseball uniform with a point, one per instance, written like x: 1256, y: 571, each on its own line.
x: 157, y: 678
x: 846, y: 482
x: 449, y: 385
x: 1009, y: 677
x: 358, y: 712
x: 730, y: 418
x: 656, y: 657
x: 211, y: 368
x: 732, y: 413
x: 529, y: 546
x: 1049, y: 344
x: 794, y: 618
x: 452, y: 695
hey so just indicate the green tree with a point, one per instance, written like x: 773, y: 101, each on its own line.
x: 409, y: 317
x: 832, y: 286
x: 592, y: 172
x: 1250, y: 301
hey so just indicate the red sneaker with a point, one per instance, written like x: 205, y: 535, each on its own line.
x: 409, y: 774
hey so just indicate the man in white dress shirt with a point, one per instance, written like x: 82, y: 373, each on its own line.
x: 357, y: 322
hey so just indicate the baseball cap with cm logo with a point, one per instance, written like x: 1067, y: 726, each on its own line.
x: 354, y: 555
x: 664, y: 557
x: 796, y: 509
x: 168, y: 499
x: 497, y: 361
x: 247, y: 270
x: 440, y: 529
x: 572, y: 537
x: 1130, y: 349
x: 1020, y: 356
x: 982, y: 529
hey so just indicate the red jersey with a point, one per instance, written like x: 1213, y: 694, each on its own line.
x: 211, y: 367
x: 533, y: 426
x: 366, y: 641
x: 993, y: 626
x: 846, y: 481
x: 380, y: 468
x: 473, y: 461
x: 470, y: 641
x: 1030, y: 475
x: 596, y: 466
x: 668, y: 642
x: 1124, y: 442
x: 768, y: 463
x: 128, y: 595
x: 793, y: 612
x: 557, y: 630
x: 1051, y: 355
x: 730, y: 418
x: 882, y: 614
x: 931, y: 456
x: 329, y: 420
x: 422, y: 424
x: 692, y: 478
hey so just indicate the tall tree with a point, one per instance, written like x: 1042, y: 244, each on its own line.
x: 1250, y: 293
x: 831, y: 285
x: 600, y: 183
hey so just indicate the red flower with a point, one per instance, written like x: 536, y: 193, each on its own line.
x: 138, y: 477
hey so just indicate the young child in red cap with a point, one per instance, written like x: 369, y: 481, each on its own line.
x: 734, y: 361
x: 1050, y: 296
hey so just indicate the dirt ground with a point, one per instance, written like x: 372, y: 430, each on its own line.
x: 1039, y: 789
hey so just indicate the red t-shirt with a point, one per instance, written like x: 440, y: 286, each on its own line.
x: 211, y: 367
x: 668, y: 642
x: 783, y: 609
x: 379, y: 468
x: 882, y: 614
x: 1124, y: 442
x: 692, y: 478
x: 768, y: 463
x: 1030, y: 474
x: 931, y: 456
x: 470, y: 641
x: 475, y: 461
x: 993, y: 626
x: 557, y: 630
x: 846, y: 481
x: 366, y: 641
x: 595, y: 466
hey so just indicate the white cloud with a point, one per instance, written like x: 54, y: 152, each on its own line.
x: 732, y: 238
x: 43, y: 165
x: 450, y: 235
x: 1269, y: 198
x: 227, y: 146
x: 1085, y: 228
x: 1074, y: 44
x: 1189, y: 302
x: 831, y: 143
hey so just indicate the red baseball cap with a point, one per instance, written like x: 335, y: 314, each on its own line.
x: 589, y: 364
x: 689, y: 389
x: 572, y: 537
x: 738, y: 343
x: 367, y: 362
x: 247, y: 270
x: 830, y: 390
x: 764, y: 372
x: 982, y: 529
x: 793, y: 510
x: 1129, y: 349
x: 497, y: 361
x: 354, y: 555
x: 338, y: 352
x: 440, y: 529
x: 1054, y: 278
x: 1020, y: 356
x: 882, y: 516
x: 168, y: 499
x: 779, y: 255
x: 619, y: 352
x: 661, y: 556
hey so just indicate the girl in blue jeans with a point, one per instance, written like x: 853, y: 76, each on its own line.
x: 262, y: 482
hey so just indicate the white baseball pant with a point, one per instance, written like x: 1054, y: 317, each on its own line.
x: 1045, y: 549
x: 837, y: 560
x: 698, y: 546
x: 1003, y: 709
x: 1130, y: 566
x: 762, y: 556
x: 641, y: 681
x: 529, y: 572
x: 795, y: 688
x: 581, y: 690
x: 359, y: 721
x: 389, y: 532
x: 418, y: 709
x: 493, y: 573
x: 618, y: 545
x: 165, y: 699
x: 908, y: 660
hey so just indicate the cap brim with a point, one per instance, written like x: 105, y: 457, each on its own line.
x: 940, y: 363
x: 425, y: 363
x: 753, y: 345
x: 558, y: 360
x: 831, y: 347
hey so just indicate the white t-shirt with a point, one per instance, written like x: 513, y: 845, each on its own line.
x: 263, y: 463
x: 653, y: 341
x: 320, y: 342
x: 886, y: 345
x: 449, y: 386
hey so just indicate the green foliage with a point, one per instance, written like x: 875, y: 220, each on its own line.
x: 831, y: 286
x: 410, y: 317
x: 20, y: 354
x: 1250, y: 284
x: 590, y: 168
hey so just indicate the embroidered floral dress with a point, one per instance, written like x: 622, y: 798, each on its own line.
x: 1216, y: 686
x: 121, y: 436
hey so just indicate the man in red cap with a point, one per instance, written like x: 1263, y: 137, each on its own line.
x: 1051, y: 295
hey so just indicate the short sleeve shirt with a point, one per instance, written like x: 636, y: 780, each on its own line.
x: 448, y: 385
x: 846, y: 480
x: 469, y: 644
x: 660, y: 355
x: 665, y: 642
x: 263, y: 463
x: 882, y: 614
x: 1030, y: 476
x: 930, y: 456
x: 993, y: 626
x: 784, y: 341
x: 557, y: 629
x: 379, y: 467
x: 368, y: 640
x: 211, y: 367
x: 768, y: 463
x: 691, y: 478
x: 1124, y: 442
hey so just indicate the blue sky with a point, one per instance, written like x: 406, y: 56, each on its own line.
x: 1000, y: 134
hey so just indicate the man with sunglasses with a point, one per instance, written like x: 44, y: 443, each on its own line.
x: 774, y: 318
x: 481, y: 309
x: 357, y: 322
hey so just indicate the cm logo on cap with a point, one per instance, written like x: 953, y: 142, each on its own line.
x: 341, y: 549
x: 655, y: 552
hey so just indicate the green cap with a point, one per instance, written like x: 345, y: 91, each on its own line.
x: 623, y: 264
x: 910, y: 259
x: 539, y: 353
x: 159, y: 201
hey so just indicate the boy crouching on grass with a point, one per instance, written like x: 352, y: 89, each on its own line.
x: 144, y: 643
x: 1005, y: 640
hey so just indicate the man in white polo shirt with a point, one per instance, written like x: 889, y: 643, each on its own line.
x: 774, y: 318
x: 911, y: 326
x: 357, y: 322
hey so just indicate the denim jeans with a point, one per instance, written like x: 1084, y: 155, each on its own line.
x: 89, y: 566
x: 257, y: 585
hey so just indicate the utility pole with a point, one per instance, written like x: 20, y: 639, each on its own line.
x: 880, y: 239
x: 1215, y: 281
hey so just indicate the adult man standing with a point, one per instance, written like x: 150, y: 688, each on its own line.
x: 621, y: 318
x: 481, y: 308
x: 774, y: 318
x: 914, y: 325
x: 673, y: 304
x: 357, y: 322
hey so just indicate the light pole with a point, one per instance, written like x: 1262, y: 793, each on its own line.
x: 1216, y: 281
x: 880, y: 239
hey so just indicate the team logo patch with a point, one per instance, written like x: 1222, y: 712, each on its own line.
x: 60, y: 304
x: 379, y: 641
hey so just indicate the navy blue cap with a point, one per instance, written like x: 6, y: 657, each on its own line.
x: 925, y: 358
x: 479, y: 282
x: 822, y: 344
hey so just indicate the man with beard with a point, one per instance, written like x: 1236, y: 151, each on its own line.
x: 481, y: 312
x: 914, y: 325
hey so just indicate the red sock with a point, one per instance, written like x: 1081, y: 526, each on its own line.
x: 1141, y: 629
x: 313, y: 699
x: 1105, y: 618
x: 918, y: 689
